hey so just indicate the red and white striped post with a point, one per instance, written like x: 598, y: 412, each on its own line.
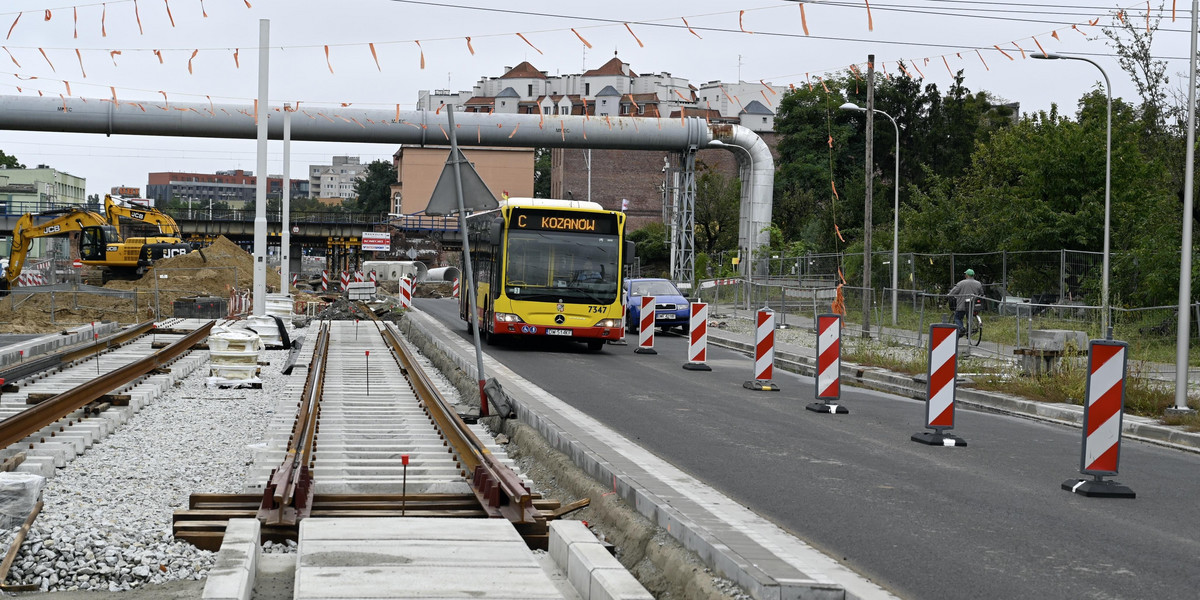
x: 1102, y: 418
x: 764, y: 353
x: 829, y: 365
x: 454, y: 288
x: 295, y: 278
x: 358, y: 277
x: 943, y: 370
x: 646, y: 327
x: 345, y: 280
x: 405, y: 292
x: 374, y: 278
x: 698, y: 338
x: 324, y: 280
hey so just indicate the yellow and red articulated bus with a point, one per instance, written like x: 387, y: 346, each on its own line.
x: 548, y: 268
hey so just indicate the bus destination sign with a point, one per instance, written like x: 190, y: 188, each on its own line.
x: 545, y: 220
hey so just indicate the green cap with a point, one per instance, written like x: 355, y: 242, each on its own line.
x: 970, y: 272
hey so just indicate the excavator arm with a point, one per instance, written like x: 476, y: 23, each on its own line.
x: 114, y: 210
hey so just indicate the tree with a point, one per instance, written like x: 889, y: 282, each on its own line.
x: 374, y: 188
x: 652, y: 247
x: 541, y: 173
x: 718, y: 203
x: 9, y: 161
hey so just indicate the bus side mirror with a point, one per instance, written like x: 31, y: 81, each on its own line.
x: 497, y: 233
x: 630, y: 251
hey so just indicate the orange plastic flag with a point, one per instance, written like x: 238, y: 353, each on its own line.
x: 727, y: 96
x: 446, y: 135
x: 76, y: 11
x: 689, y: 27
x: 103, y: 14
x: 1121, y: 16
x: 79, y: 57
x: 803, y: 19
x: 834, y: 186
x: 633, y: 102
x: 166, y: 103
x: 839, y: 300
x: 562, y: 129
x: 202, y: 11
x: 194, y: 53
x: 64, y: 99
x: 159, y: 55
x: 112, y: 54
x: 541, y: 116
x: 585, y: 42
x: 1054, y: 34
x: 769, y: 89
x: 327, y: 63
x: 423, y: 52
x: 68, y: 85
x: 1003, y: 52
x: 635, y: 37
x: 236, y: 63
x: 870, y: 21
x: 47, y: 59
x: 1039, y: 45
x: 469, y: 47
x: 830, y: 141
x: 376, y: 57
x: 1172, y: 11
x: 1094, y: 21
x: 823, y: 86
x: 914, y: 64
x: 114, y: 94
x: 1080, y: 32
x: 982, y: 61
x: 47, y: 14
x: 681, y: 96
x: 14, y: 25
x: 255, y: 111
x: 529, y: 42
x: 169, y: 16
x: 137, y: 15
x: 947, y: 65
x: 514, y: 131
x: 768, y: 100
x: 742, y: 13
x: 1021, y: 49
x: 478, y: 134
x: 903, y: 70
x: 839, y: 233
x: 609, y: 121
x: 1147, y: 16
x: 247, y: 3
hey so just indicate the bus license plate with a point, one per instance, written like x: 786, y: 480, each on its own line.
x: 558, y: 332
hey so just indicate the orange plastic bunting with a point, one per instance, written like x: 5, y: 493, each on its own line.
x: 159, y: 55
x: 167, y: 3
x: 609, y: 121
x: 1021, y: 49
x: 834, y: 186
x: 446, y: 135
x: 982, y: 61
x: 1003, y: 52
x: 166, y: 103
x: 903, y: 70
x: 585, y: 42
x: 529, y: 42
x: 76, y: 12
x: 1094, y: 21
x: 247, y: 3
x: 1039, y: 45
x: 1054, y: 34
x: 423, y: 52
x: 68, y: 86
x: 839, y: 233
x: 202, y: 11
x: 138, y: 15
x: 194, y: 53
x: 114, y: 94
x: 47, y: 59
x: 870, y: 21
x: 47, y: 14
x: 830, y: 141
x: 470, y: 48
x: 1080, y: 32
x: 768, y: 100
x: 236, y: 63
x: 823, y: 86
x: 562, y: 128
x: 914, y: 64
x: 514, y: 131
x: 79, y: 57
x: 769, y: 89
x: 635, y: 37
x: 742, y: 13
x: 1147, y: 16
x: 14, y: 25
x: 111, y: 54
x: 1121, y: 16
x: 803, y: 19
x: 689, y: 27
x: 327, y: 63
x: 103, y: 15
x: 947, y: 65
x: 633, y: 102
x: 839, y: 300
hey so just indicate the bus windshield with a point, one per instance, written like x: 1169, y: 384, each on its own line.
x: 563, y: 266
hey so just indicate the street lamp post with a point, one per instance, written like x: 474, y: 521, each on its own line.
x: 895, y: 209
x: 1104, y: 324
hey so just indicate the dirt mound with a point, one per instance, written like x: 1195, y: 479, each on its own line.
x: 212, y: 271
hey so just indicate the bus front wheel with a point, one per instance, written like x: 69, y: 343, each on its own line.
x: 595, y: 345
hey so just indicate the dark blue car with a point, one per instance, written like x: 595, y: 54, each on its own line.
x: 671, y: 308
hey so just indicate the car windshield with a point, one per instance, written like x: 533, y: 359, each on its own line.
x: 653, y: 288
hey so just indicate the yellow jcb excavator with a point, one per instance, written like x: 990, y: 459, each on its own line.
x: 100, y: 244
x: 116, y: 208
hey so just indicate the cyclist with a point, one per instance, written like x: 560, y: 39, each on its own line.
x: 962, y: 295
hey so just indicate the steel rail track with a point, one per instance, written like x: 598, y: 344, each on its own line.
x: 31, y: 420
x: 56, y: 359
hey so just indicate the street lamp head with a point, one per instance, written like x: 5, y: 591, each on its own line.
x: 1046, y: 55
x: 852, y: 106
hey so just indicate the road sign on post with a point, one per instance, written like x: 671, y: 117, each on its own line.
x: 1102, y: 418
x: 829, y: 365
x: 939, y: 403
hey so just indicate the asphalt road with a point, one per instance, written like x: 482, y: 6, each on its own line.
x: 986, y: 521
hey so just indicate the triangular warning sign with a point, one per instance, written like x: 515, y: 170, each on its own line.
x: 476, y: 195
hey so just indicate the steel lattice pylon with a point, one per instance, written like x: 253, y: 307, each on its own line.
x: 680, y: 189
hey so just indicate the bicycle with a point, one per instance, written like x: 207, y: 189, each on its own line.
x: 974, y: 323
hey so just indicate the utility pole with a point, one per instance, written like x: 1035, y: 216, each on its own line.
x: 870, y: 170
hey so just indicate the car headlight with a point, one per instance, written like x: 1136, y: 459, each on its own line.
x: 612, y: 323
x: 508, y: 318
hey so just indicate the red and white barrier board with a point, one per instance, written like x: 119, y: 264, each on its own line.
x: 324, y: 281
x: 454, y: 288
x: 939, y: 403
x: 764, y: 352
x: 345, y: 280
x: 829, y: 365
x: 698, y: 338
x: 405, y: 292
x: 1103, y: 415
x: 646, y: 327
x: 374, y: 277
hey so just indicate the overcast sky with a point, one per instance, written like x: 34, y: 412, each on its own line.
x: 750, y: 40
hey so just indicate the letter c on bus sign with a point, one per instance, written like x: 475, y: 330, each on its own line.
x: 521, y: 221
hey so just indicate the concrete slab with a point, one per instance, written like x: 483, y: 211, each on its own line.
x: 232, y: 577
x: 38, y: 465
x: 583, y: 560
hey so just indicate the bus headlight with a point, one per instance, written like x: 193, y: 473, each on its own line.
x: 508, y: 318
x: 612, y: 323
